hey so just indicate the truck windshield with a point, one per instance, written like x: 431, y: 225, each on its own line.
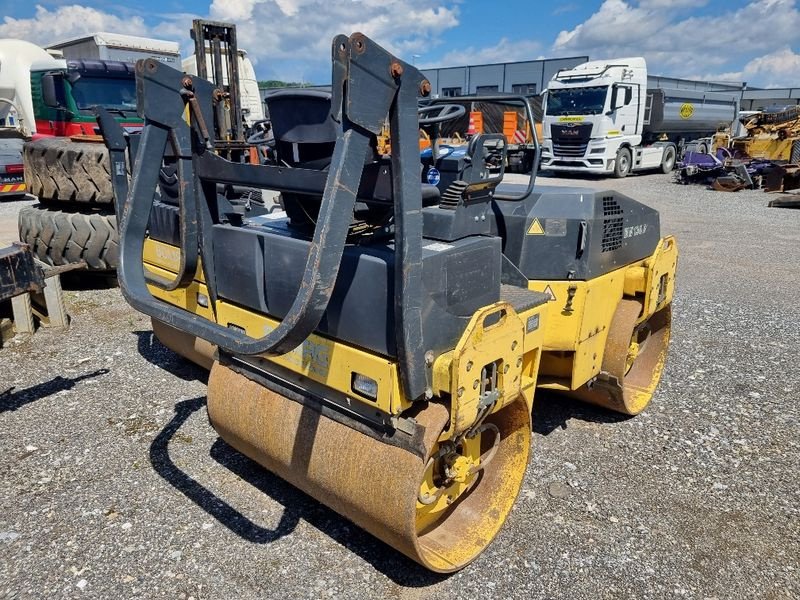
x: 576, y: 101
x: 113, y: 93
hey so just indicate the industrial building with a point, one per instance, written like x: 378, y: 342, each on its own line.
x: 530, y: 78
x: 769, y: 98
x: 527, y: 78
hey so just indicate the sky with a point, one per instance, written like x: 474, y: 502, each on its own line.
x: 755, y: 41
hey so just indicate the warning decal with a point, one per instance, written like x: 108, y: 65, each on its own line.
x: 549, y: 291
x: 536, y: 228
x: 687, y: 110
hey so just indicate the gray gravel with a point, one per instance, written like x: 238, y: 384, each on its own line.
x: 114, y: 485
x: 9, y: 207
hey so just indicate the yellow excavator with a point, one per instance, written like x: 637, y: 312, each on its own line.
x: 378, y: 343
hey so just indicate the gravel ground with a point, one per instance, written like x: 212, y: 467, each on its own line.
x: 115, y: 485
x: 9, y: 207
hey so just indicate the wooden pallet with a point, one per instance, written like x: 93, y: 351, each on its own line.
x: 47, y: 306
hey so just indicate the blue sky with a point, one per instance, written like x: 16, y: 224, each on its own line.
x: 757, y: 41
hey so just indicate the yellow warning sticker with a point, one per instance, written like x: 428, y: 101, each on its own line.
x: 687, y: 110
x: 570, y: 119
x: 536, y: 228
x: 549, y: 291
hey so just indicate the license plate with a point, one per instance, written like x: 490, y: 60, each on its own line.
x: 12, y: 184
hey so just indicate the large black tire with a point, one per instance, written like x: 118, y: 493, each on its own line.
x: 58, y: 169
x: 60, y: 238
x: 795, y: 156
x: 622, y: 166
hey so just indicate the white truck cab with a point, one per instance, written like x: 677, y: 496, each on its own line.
x: 594, y: 117
x: 600, y: 117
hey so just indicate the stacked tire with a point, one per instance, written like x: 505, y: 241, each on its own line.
x: 74, y: 220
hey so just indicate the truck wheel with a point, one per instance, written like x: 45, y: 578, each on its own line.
x: 622, y: 165
x: 795, y: 156
x: 668, y: 160
x: 60, y: 238
x: 58, y: 169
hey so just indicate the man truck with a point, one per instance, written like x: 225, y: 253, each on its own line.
x: 16, y: 110
x: 600, y: 117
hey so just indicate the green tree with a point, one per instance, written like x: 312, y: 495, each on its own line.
x: 274, y: 83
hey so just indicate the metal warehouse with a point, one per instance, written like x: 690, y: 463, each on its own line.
x: 524, y: 77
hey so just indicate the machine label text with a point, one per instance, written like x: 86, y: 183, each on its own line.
x: 634, y: 230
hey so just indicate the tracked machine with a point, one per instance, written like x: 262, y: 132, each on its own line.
x: 378, y: 345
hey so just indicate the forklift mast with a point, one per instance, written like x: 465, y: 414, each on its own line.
x: 215, y: 48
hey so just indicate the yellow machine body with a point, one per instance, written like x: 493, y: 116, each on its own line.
x: 403, y: 504
x: 427, y: 457
x: 580, y: 322
x: 767, y: 146
x: 442, y: 525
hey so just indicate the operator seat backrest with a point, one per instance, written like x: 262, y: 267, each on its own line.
x: 305, y: 136
x: 304, y: 131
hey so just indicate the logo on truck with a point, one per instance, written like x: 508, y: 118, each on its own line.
x: 687, y: 110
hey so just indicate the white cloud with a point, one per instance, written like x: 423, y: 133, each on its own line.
x: 299, y: 32
x: 233, y: 10
x: 49, y: 26
x: 677, y: 43
x: 289, y: 7
x: 175, y: 27
x: 503, y: 51
x: 289, y: 39
x: 564, y: 8
x: 780, y: 68
x: 672, y: 3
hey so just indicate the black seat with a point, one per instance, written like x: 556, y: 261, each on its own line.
x: 305, y: 136
x: 304, y: 131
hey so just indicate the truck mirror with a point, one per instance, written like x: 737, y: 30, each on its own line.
x: 51, y: 82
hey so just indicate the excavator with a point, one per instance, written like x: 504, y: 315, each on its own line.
x: 379, y: 342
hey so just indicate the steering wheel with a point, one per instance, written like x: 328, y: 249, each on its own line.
x: 443, y: 112
x: 259, y: 132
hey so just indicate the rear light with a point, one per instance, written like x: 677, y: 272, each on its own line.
x: 366, y: 386
x: 14, y: 169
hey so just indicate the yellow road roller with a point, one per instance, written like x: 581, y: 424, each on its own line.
x: 377, y: 341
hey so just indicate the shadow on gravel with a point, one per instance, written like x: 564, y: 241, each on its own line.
x: 297, y: 505
x: 11, y: 400
x: 552, y: 411
x: 81, y: 279
x: 545, y: 175
x: 158, y: 354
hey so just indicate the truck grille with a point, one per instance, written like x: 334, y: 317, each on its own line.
x: 570, y: 140
x: 565, y: 148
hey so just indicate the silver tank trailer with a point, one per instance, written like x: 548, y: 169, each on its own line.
x: 684, y: 113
